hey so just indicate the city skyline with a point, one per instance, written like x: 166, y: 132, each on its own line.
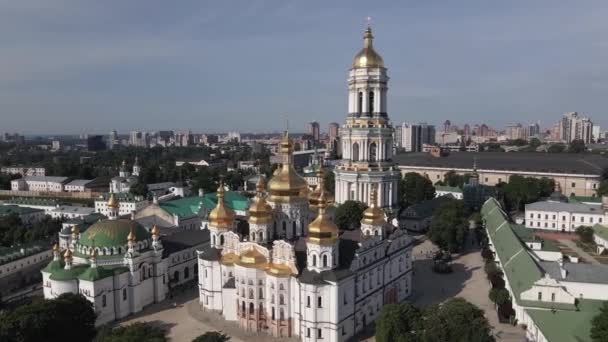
x: 90, y: 69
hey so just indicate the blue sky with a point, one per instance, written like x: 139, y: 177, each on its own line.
x: 72, y: 66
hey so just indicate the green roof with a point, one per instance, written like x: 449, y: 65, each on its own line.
x: 190, y: 206
x: 601, y: 231
x: 564, y: 325
x: 8, y: 254
x: 121, y: 197
x: 54, y: 266
x: 517, y: 264
x: 40, y: 201
x: 448, y: 188
x: 6, y: 210
x: 527, y: 235
x: 111, y: 233
x: 96, y: 273
x: 584, y: 199
x: 62, y: 274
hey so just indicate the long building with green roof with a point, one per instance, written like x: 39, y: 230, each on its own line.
x: 554, y: 300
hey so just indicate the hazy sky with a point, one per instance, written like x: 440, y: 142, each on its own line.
x: 90, y: 66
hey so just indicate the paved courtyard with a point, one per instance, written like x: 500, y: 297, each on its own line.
x: 468, y: 280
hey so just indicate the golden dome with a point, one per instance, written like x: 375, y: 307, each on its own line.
x: 368, y: 57
x: 75, y: 231
x: 131, y: 236
x: 112, y: 202
x: 313, y: 197
x: 260, y: 211
x: 155, y: 231
x: 322, y: 230
x: 286, y: 183
x: 221, y: 216
x: 55, y: 248
x: 67, y: 255
x: 279, y: 270
x: 373, y: 215
x: 253, y: 259
x: 229, y: 259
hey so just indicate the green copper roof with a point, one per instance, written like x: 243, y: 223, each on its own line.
x: 567, y: 325
x: 96, y: 273
x: 448, y: 188
x: 54, y: 266
x: 6, y: 210
x: 584, y: 199
x: 190, y: 206
x: 601, y: 231
x: 110, y: 233
x: 71, y: 274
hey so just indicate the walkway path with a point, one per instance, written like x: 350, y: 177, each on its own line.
x: 572, y: 245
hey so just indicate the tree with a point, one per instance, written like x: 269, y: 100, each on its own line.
x: 603, y: 188
x: 585, y: 233
x: 132, y: 333
x: 451, y: 178
x: 456, y: 320
x: 330, y: 182
x: 69, y: 317
x: 414, y: 188
x: 599, y: 325
x: 398, y: 323
x: 448, y: 227
x: 349, y: 214
x: 577, y: 146
x: 212, y: 336
x: 522, y: 190
x: 534, y: 142
x: 139, y: 189
x: 499, y: 296
x: 556, y: 148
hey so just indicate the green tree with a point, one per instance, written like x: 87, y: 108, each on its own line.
x: 599, y: 325
x: 349, y: 214
x: 398, y: 323
x: 448, y: 226
x: 556, y: 148
x: 499, y: 296
x: 457, y: 321
x: 212, y: 336
x: 330, y: 182
x: 534, y: 142
x: 585, y: 233
x: 139, y: 189
x: 414, y: 188
x: 603, y: 188
x: 577, y: 146
x: 132, y: 333
x: 522, y: 190
x: 69, y: 317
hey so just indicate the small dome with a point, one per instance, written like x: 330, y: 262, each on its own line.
x: 253, y: 259
x: 322, y: 230
x: 260, y: 211
x: 373, y: 215
x: 286, y: 183
x: 155, y: 231
x: 221, y: 216
x: 112, y: 202
x: 368, y: 57
x: 111, y: 233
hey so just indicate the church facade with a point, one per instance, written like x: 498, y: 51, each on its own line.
x: 367, y: 134
x: 295, y: 274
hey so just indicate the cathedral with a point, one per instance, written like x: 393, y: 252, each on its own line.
x: 367, y: 135
x: 294, y: 273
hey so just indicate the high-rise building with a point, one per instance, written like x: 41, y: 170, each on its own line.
x: 515, y: 131
x: 95, y: 143
x: 367, y: 135
x: 467, y: 129
x: 138, y: 138
x: 413, y: 137
x: 447, y: 126
x: 112, y: 139
x: 575, y: 127
x: 334, y: 138
x: 314, y: 130
x: 596, y: 135
x: 533, y: 130
x: 484, y: 130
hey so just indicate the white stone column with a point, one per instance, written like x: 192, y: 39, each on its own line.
x: 390, y: 193
x: 381, y: 194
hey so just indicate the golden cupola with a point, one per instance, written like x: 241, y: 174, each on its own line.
x: 253, y: 259
x: 373, y: 215
x: 313, y: 197
x: 112, y: 202
x: 368, y: 57
x: 221, y: 216
x: 286, y: 184
x: 322, y: 230
x: 260, y: 211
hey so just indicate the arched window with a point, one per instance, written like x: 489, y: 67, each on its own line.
x: 261, y: 293
x: 281, y: 299
x: 176, y: 276
x: 355, y: 154
x: 387, y: 151
x: 250, y: 293
x: 243, y: 308
x: 221, y: 240
x: 103, y: 301
x: 281, y: 287
x: 260, y: 236
x: 124, y: 294
x: 314, y: 260
x: 293, y: 229
x: 325, y: 260
x: 372, y: 152
x: 370, y: 104
x: 281, y: 314
x: 360, y: 103
x: 284, y: 227
x: 250, y: 308
x: 186, y: 273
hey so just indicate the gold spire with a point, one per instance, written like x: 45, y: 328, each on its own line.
x: 368, y: 57
x: 155, y: 231
x: 286, y: 184
x: 75, y: 231
x: 131, y: 236
x: 112, y: 202
x: 322, y: 230
x: 373, y: 215
x: 67, y: 256
x: 55, y: 248
x: 260, y: 211
x: 221, y: 216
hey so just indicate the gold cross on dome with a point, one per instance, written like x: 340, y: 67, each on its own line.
x: 368, y: 20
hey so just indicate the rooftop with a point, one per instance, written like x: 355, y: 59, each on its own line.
x: 584, y: 273
x: 8, y: 254
x: 52, y: 179
x: 580, y: 208
x: 6, y: 210
x: 79, y: 182
x: 571, y: 163
x: 190, y: 206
